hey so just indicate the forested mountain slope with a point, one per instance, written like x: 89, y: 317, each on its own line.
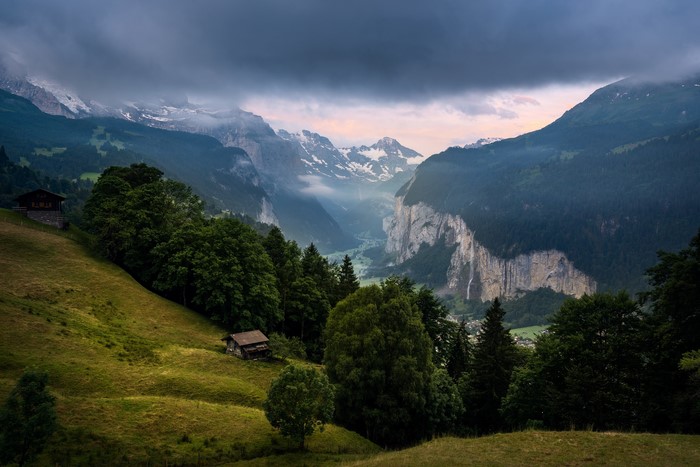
x: 608, y: 184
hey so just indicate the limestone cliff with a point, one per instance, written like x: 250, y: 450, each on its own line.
x: 474, y: 272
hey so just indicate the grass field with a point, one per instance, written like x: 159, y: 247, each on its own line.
x: 92, y: 176
x: 529, y: 332
x: 142, y: 381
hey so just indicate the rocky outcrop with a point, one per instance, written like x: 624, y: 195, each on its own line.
x: 474, y: 272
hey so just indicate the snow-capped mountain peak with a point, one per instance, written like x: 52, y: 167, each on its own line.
x: 378, y: 162
x: 481, y: 142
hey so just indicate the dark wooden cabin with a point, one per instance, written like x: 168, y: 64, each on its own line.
x: 42, y: 206
x: 248, y: 345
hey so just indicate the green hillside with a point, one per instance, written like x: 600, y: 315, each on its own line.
x: 137, y: 378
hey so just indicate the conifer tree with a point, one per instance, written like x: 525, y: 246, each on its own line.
x: 347, y: 280
x: 459, y: 352
x: 495, y: 357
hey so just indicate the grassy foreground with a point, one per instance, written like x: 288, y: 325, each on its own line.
x: 138, y: 379
x: 142, y: 381
x: 543, y: 448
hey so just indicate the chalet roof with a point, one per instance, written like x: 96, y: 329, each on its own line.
x: 248, y: 338
x: 40, y: 190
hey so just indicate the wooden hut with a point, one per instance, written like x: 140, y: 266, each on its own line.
x: 42, y: 206
x: 248, y: 345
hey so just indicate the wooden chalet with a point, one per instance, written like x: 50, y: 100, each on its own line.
x: 42, y: 206
x: 248, y: 345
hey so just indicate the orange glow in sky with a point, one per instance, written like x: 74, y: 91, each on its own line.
x: 428, y: 128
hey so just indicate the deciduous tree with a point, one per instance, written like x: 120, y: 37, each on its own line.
x: 675, y: 330
x: 299, y: 401
x: 378, y: 355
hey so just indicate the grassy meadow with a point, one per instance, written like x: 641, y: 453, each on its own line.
x: 140, y: 380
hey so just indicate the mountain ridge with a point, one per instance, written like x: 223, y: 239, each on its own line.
x: 608, y: 184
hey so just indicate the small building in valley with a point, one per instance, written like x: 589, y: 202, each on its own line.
x: 42, y: 206
x: 248, y: 345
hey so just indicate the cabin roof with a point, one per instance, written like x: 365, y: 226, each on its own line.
x: 40, y: 190
x: 247, y: 338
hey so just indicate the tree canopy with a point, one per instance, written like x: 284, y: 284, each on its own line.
x: 587, y: 370
x: 378, y: 355
x: 300, y: 400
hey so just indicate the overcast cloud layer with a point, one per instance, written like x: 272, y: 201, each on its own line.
x: 429, y: 73
x: 397, y: 50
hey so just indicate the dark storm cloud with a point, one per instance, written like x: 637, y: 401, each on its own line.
x: 398, y: 50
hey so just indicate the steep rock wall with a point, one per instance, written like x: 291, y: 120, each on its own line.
x: 474, y: 272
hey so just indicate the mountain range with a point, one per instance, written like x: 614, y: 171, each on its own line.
x: 292, y: 180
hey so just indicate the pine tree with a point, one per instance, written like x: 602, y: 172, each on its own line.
x: 459, y: 352
x: 495, y: 356
x: 347, y: 280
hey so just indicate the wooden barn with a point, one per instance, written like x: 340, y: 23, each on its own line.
x: 248, y: 345
x: 42, y: 206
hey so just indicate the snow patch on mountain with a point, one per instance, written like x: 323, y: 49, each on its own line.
x: 69, y: 99
x: 481, y: 142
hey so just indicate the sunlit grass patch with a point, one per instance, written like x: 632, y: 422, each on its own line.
x: 529, y: 332
x: 92, y: 176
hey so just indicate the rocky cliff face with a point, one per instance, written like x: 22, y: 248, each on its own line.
x: 474, y: 272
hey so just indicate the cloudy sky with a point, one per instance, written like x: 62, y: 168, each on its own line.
x: 429, y: 73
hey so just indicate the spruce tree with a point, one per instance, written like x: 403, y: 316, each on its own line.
x: 459, y: 352
x: 347, y: 280
x: 495, y: 356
